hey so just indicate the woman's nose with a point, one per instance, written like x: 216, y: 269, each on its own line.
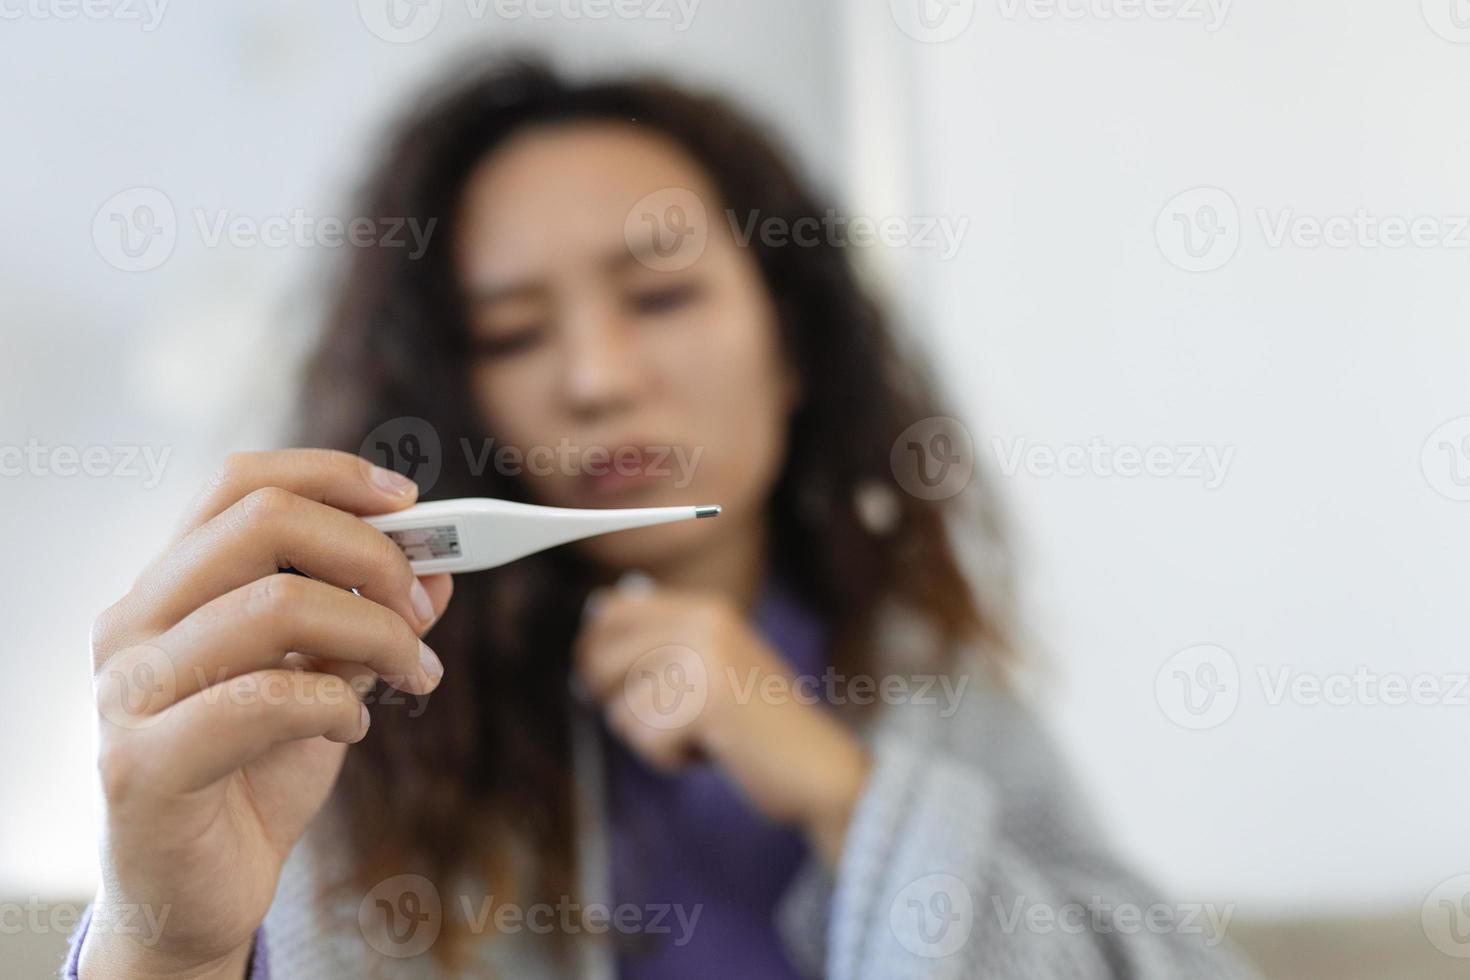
x: 602, y: 373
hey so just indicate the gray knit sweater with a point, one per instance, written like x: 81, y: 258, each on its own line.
x: 968, y: 855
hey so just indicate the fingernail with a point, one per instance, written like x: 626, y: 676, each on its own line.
x: 430, y: 663
x: 635, y: 583
x: 593, y: 603
x: 423, y: 606
x: 367, y: 719
x: 393, y: 483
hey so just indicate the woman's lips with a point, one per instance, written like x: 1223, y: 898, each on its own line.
x: 625, y: 470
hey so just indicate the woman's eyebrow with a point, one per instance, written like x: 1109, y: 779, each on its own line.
x: 642, y: 252
x: 492, y: 293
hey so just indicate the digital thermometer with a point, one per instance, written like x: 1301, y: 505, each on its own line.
x: 474, y: 533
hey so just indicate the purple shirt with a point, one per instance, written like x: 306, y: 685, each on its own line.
x: 688, y: 846
x: 704, y: 869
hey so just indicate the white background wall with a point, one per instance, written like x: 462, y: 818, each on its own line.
x: 1327, y: 548
x: 1061, y: 318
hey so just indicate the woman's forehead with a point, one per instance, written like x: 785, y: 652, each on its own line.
x: 567, y: 196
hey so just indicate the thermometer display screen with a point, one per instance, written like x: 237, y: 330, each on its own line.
x: 428, y: 543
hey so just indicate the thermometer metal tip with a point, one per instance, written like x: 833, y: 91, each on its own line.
x: 707, y: 510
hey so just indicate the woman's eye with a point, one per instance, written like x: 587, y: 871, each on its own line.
x: 504, y: 343
x: 664, y: 299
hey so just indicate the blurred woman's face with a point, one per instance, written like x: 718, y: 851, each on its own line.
x: 624, y: 379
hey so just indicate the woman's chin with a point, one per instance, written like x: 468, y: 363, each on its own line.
x: 648, y: 549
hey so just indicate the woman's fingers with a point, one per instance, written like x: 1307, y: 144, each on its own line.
x: 254, y: 626
x: 628, y: 629
x: 327, y: 476
x: 603, y: 663
x: 615, y: 612
x: 440, y: 588
x: 270, y: 529
x: 664, y: 749
x: 214, y: 732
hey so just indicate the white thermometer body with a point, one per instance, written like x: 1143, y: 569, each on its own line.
x: 475, y: 533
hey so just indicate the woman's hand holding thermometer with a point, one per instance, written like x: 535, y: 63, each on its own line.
x: 227, y: 691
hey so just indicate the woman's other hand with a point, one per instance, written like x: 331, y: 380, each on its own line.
x: 681, y: 675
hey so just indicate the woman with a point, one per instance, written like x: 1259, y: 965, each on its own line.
x: 780, y: 743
